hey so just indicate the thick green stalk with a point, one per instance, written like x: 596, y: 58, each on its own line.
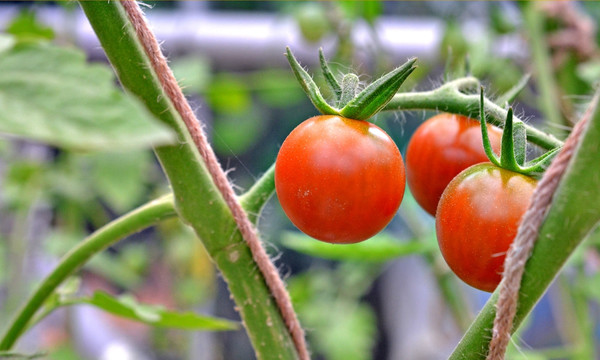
x: 197, y: 199
x: 451, y: 98
x: 574, y: 212
x: 114, y: 231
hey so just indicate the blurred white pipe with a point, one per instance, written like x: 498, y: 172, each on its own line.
x: 245, y: 40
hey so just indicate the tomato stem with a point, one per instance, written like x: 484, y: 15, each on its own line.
x: 374, y: 97
x: 308, y: 85
x: 456, y: 97
x: 507, y: 152
x: 514, y: 145
x: 487, y: 146
x: 359, y: 107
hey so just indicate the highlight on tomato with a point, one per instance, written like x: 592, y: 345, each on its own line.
x: 339, y: 180
x: 440, y: 148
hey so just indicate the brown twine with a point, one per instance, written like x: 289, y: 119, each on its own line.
x: 173, y: 91
x: 514, y: 265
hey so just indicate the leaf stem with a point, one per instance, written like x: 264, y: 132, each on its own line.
x: 256, y: 197
x: 114, y: 231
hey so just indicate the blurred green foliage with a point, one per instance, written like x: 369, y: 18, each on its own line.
x: 247, y: 115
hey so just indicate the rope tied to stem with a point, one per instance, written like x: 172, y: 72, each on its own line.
x: 520, y: 250
x: 173, y: 91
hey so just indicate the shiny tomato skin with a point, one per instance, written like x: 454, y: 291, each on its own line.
x: 339, y: 180
x: 477, y: 220
x: 440, y: 148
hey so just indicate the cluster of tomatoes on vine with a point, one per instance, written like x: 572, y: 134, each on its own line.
x: 341, y: 179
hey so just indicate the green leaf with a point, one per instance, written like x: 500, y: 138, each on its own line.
x: 351, y: 334
x: 382, y: 247
x: 229, y: 94
x: 128, y: 307
x: 277, y: 88
x: 50, y: 94
x: 236, y: 133
x: 25, y: 27
x: 589, y: 71
x: 119, y: 178
x: 6, y: 42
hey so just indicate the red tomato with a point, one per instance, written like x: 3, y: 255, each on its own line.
x: 339, y: 180
x: 440, y: 148
x: 477, y: 219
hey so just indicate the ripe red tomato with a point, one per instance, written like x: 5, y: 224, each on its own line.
x: 339, y: 180
x: 440, y: 148
x: 477, y: 219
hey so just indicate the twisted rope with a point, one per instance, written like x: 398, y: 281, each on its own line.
x: 519, y: 252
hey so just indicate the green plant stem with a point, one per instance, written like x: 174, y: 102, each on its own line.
x: 451, y: 97
x: 256, y: 197
x: 134, y: 221
x: 565, y: 226
x: 197, y: 199
x: 549, y: 100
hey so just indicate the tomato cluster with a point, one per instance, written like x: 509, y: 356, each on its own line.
x: 478, y: 206
x: 339, y: 180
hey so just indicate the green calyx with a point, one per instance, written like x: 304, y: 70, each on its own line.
x: 349, y: 103
x: 514, y: 146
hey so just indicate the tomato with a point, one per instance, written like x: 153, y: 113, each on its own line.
x: 477, y: 220
x: 339, y: 180
x: 440, y: 148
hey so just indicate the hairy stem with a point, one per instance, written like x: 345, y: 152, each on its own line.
x: 451, y: 97
x: 203, y: 198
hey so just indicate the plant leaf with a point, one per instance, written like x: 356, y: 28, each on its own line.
x: 50, y: 94
x: 128, y: 307
x: 382, y: 247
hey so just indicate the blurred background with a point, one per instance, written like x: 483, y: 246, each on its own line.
x: 228, y: 56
